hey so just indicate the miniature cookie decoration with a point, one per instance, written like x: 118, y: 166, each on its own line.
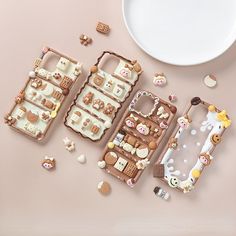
x: 101, y: 164
x: 104, y: 187
x: 205, y: 159
x: 70, y: 145
x: 184, y: 121
x: 32, y: 74
x: 142, y: 164
x: 152, y: 145
x: 85, y: 40
x: 173, y: 143
x: 94, y: 69
x: 102, y: 28
x: 173, y: 182
x: 81, y: 159
x: 142, y: 151
x: 9, y: 120
x: 110, y: 145
x: 48, y: 163
x: 159, y: 80
x: 159, y: 171
x: 215, y: 139
x: 210, y: 81
x: 111, y: 158
x: 172, y: 97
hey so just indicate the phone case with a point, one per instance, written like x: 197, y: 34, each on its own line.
x: 136, y: 137
x: 98, y: 101
x: 197, y: 134
x: 38, y: 103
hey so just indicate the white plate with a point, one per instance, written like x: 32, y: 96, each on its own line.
x: 181, y: 32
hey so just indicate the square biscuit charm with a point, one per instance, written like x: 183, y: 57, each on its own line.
x: 120, y: 164
x: 66, y: 82
x: 103, y: 28
x: 63, y: 64
x: 130, y: 170
x: 159, y: 171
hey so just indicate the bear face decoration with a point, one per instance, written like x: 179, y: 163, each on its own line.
x: 131, y: 121
x: 143, y: 129
x: 87, y: 99
x: 108, y: 110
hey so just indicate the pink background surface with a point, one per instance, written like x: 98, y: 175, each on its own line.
x: 66, y: 201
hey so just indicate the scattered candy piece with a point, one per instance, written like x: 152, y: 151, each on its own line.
x: 101, y: 164
x: 70, y: 145
x: 48, y: 163
x: 81, y: 159
x: 104, y: 187
x: 110, y: 145
x: 210, y: 81
x: 172, y: 98
x: 102, y: 28
x: 193, y: 132
x: 161, y: 193
x: 159, y: 80
x: 32, y: 74
x: 85, y: 40
x: 196, y: 173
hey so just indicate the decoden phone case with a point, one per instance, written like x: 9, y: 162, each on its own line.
x: 136, y: 137
x: 191, y: 145
x: 39, y: 102
x: 98, y: 101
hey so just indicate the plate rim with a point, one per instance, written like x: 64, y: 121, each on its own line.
x: 221, y: 51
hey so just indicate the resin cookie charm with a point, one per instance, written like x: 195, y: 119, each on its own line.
x: 48, y: 163
x: 38, y: 103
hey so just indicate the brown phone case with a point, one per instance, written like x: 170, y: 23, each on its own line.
x: 40, y: 100
x: 100, y: 98
x: 136, y: 137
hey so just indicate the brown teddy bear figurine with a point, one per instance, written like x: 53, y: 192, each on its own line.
x: 88, y: 98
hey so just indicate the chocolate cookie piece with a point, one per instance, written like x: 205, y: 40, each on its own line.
x: 159, y: 171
